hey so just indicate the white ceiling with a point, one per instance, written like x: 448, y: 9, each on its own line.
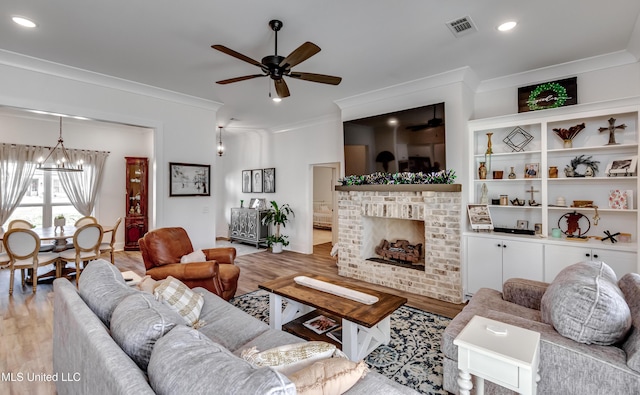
x: 371, y: 44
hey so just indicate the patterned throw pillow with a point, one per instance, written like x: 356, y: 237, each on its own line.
x: 181, y: 298
x: 290, y: 357
x: 328, y: 377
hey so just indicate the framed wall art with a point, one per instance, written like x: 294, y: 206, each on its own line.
x: 256, y: 181
x: 246, y: 181
x: 187, y: 179
x: 479, y: 217
x: 269, y: 180
x: 550, y: 94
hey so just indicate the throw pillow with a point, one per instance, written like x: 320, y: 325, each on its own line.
x: 102, y: 287
x: 138, y: 322
x: 290, y: 357
x: 185, y: 361
x: 630, y: 287
x: 331, y: 376
x: 181, y: 298
x: 195, y: 256
x: 148, y: 284
x: 585, y: 304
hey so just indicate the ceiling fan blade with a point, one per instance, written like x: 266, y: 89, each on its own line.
x: 300, y: 54
x: 236, y: 55
x: 321, y: 78
x: 281, y: 88
x: 243, y: 78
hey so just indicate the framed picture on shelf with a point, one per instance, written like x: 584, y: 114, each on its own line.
x: 187, y: 179
x: 256, y: 181
x: 258, y: 203
x: 479, y: 216
x: 522, y: 224
x: 246, y: 181
x: 531, y: 170
x: 622, y: 167
x: 269, y: 180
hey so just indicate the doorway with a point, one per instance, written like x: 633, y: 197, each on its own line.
x: 324, y: 213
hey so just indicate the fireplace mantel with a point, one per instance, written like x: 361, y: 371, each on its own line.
x: 401, y: 188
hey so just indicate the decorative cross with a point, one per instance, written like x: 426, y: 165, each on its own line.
x: 532, y: 202
x: 612, y: 128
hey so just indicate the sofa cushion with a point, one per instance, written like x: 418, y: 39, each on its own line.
x: 138, y: 322
x: 184, y: 361
x: 148, y: 284
x: 102, y: 287
x: 585, y: 304
x: 289, y: 358
x: 630, y: 287
x: 332, y: 376
x: 181, y: 298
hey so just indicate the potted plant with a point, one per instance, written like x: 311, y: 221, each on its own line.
x: 277, y: 215
x: 59, y: 220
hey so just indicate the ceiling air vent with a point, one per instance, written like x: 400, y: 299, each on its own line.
x: 462, y: 26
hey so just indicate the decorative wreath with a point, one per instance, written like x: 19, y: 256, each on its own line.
x: 574, y: 224
x: 560, y: 91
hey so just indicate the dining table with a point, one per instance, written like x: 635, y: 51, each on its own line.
x: 61, y: 235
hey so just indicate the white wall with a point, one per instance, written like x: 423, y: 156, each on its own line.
x: 183, y: 127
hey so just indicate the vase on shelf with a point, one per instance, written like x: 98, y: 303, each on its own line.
x: 568, y: 143
x: 482, y: 171
x: 512, y: 174
x: 553, y: 172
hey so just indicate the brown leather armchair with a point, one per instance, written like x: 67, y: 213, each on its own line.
x: 161, y: 252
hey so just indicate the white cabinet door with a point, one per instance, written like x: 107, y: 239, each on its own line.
x: 484, y: 264
x: 557, y: 257
x: 522, y: 259
x: 622, y: 262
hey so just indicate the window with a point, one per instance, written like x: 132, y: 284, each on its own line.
x: 44, y: 200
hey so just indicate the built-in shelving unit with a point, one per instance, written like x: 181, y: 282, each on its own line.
x: 545, y: 150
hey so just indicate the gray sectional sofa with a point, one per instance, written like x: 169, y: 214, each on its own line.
x: 566, y: 366
x: 182, y: 360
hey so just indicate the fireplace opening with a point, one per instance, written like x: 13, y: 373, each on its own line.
x: 393, y: 241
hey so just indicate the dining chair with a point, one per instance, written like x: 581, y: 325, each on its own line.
x: 85, y: 220
x: 86, y: 247
x: 23, y: 246
x: 4, y: 260
x: 109, y: 247
x: 24, y: 224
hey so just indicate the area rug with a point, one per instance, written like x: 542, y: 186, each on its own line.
x: 413, y: 356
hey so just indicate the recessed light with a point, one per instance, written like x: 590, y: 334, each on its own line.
x: 507, y: 26
x: 23, y: 21
x: 392, y: 121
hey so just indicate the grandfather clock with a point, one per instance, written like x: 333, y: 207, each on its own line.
x: 136, y: 221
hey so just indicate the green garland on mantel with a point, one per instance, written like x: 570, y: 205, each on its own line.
x: 380, y: 178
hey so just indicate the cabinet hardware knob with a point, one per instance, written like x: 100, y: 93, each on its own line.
x: 587, y: 254
x: 595, y: 255
x: 499, y: 245
x: 504, y: 246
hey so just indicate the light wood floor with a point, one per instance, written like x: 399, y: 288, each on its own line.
x: 26, y: 323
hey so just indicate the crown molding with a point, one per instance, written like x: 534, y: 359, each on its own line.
x: 30, y: 63
x: 461, y: 75
x: 613, y: 59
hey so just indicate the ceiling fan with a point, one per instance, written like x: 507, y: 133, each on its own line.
x: 277, y: 67
x: 432, y: 123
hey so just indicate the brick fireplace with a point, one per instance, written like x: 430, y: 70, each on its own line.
x: 368, y: 213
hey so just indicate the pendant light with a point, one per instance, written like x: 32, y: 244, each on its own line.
x: 220, y: 146
x: 59, y: 160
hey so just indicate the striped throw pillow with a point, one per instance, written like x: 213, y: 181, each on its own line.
x: 181, y: 298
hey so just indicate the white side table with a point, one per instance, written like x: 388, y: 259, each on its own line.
x: 501, y: 353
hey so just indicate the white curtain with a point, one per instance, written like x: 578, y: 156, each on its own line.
x: 17, y: 165
x: 82, y: 187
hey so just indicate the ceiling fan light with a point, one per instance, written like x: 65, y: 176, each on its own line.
x: 22, y: 21
x: 276, y: 99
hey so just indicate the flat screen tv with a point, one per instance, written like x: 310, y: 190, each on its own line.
x: 409, y: 140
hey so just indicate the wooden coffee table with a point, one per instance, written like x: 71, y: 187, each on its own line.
x: 364, y: 327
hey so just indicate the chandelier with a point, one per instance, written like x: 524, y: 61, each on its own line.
x: 220, y: 146
x: 59, y: 161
